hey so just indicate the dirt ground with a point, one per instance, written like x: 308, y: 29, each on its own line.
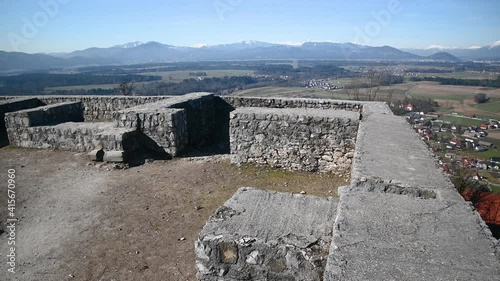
x: 82, y: 221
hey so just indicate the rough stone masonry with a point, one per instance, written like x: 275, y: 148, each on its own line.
x: 295, y: 139
x: 164, y: 125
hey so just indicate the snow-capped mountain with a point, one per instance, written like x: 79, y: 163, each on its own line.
x: 129, y: 45
x: 489, y: 52
x: 247, y: 44
x: 138, y: 52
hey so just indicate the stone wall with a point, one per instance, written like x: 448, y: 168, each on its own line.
x: 167, y: 128
x: 167, y: 124
x: 174, y: 123
x: 292, y: 103
x: 11, y: 105
x: 100, y: 108
x: 200, y: 111
x: 17, y: 123
x: 46, y: 115
x: 81, y: 137
x: 295, y: 139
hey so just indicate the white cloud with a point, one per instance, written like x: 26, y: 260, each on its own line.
x: 474, y: 47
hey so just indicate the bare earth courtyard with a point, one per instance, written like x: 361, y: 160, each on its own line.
x: 84, y: 221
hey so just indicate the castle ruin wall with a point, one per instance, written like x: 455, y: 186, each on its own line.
x: 295, y: 139
x: 271, y: 102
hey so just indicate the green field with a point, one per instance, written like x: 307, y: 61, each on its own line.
x: 495, y: 188
x: 491, y: 152
x: 464, y: 75
x: 490, y: 177
x: 452, y: 97
x: 486, y: 116
x: 492, y: 106
x: 340, y: 82
x: 291, y: 92
x: 484, y: 155
x: 456, y: 120
x: 178, y: 76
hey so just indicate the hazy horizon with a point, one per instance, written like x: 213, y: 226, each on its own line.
x: 47, y: 26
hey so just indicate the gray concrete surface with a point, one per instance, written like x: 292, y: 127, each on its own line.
x: 163, y: 104
x: 389, y: 150
x: 380, y: 236
x: 277, y: 102
x: 370, y: 107
x: 265, y: 235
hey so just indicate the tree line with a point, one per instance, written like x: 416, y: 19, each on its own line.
x: 460, y: 82
x: 36, y: 83
x: 217, y: 85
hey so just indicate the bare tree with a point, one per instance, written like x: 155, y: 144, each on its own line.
x: 368, y: 87
x: 126, y: 88
x: 472, y: 189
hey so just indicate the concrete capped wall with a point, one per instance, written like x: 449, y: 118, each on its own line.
x: 271, y: 102
x: 295, y: 139
x: 173, y: 123
x: 12, y: 105
x: 81, y: 137
x: 401, y: 219
x: 168, y: 124
x: 266, y: 235
x: 17, y: 123
x: 100, y: 108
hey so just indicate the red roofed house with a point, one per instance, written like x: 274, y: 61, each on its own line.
x: 446, y: 169
x: 457, y: 143
x: 484, y: 126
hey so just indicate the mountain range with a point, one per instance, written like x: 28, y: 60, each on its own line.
x: 138, y: 52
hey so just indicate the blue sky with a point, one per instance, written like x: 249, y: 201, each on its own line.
x: 67, y: 25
